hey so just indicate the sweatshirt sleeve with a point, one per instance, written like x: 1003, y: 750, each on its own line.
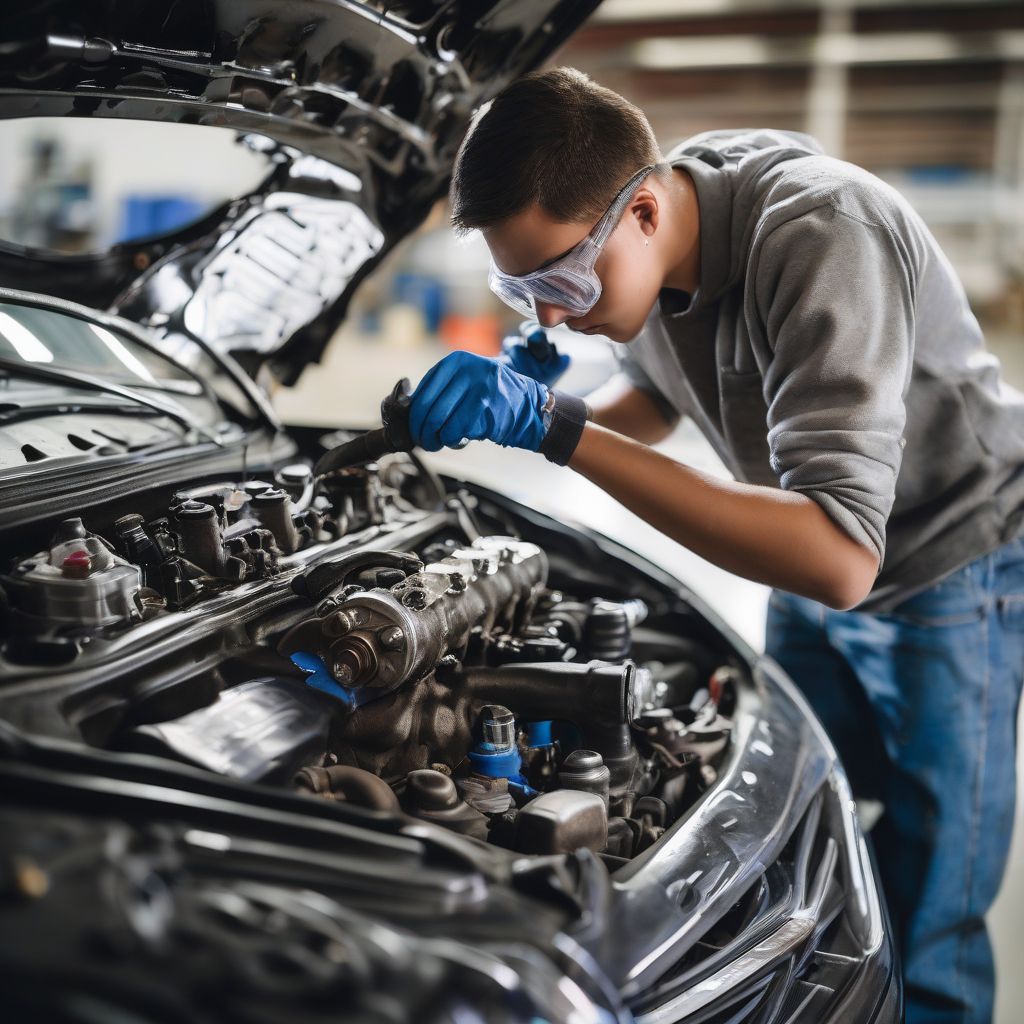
x: 836, y: 297
x: 630, y: 368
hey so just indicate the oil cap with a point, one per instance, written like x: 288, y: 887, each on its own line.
x: 76, y: 565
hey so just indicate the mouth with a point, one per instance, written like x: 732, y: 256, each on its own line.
x: 587, y: 330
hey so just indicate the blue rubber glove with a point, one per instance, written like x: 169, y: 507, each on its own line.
x: 529, y: 352
x: 472, y: 397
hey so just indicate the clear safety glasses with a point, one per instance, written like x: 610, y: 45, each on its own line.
x: 569, y: 281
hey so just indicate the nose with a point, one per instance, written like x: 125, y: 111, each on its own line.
x: 550, y: 315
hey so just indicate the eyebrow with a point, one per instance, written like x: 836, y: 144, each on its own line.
x: 555, y: 259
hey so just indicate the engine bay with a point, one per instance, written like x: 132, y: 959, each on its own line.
x: 378, y: 638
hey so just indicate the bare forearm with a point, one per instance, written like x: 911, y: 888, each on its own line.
x: 780, y: 538
x: 627, y: 410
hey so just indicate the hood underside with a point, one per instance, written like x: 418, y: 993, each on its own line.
x: 360, y: 107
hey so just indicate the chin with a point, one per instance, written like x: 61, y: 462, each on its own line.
x: 623, y: 335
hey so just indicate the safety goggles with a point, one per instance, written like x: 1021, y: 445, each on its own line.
x: 569, y: 281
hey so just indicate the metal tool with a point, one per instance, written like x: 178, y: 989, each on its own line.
x: 393, y: 436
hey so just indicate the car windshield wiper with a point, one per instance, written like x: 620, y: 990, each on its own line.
x: 138, y: 335
x: 10, y: 412
x: 76, y: 378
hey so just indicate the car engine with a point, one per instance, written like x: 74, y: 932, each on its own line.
x: 373, y: 638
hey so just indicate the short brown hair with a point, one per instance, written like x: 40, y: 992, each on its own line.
x: 555, y: 138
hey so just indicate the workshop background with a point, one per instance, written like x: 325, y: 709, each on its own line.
x: 928, y: 96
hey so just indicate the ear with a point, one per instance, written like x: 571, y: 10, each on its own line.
x: 646, y: 211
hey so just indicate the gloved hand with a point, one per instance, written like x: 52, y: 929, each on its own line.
x: 470, y: 396
x: 529, y: 352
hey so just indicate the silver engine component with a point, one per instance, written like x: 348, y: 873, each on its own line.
x: 383, y: 637
x: 77, y: 581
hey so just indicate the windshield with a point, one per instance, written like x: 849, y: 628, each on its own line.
x: 42, y: 338
x: 49, y: 338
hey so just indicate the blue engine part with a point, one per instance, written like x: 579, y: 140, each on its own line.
x: 319, y: 677
x: 497, y: 755
x: 538, y: 734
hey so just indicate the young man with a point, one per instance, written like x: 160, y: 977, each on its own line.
x: 802, y: 314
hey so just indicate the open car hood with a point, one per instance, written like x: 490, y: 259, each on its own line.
x: 360, y: 106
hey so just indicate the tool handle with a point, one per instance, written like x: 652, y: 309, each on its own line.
x: 394, y: 414
x: 536, y: 339
x: 393, y: 436
x: 361, y: 449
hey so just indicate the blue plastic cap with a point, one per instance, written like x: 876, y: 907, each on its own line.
x: 319, y: 677
x: 538, y: 734
x: 505, y: 764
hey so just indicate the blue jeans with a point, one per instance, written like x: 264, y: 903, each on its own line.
x: 921, y: 704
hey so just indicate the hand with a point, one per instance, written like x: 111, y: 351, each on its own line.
x: 529, y: 352
x: 469, y: 396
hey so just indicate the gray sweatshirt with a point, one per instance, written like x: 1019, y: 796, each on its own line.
x: 830, y: 349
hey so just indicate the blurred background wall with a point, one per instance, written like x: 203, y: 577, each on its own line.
x: 78, y: 184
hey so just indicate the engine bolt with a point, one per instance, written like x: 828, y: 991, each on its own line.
x: 415, y: 599
x: 392, y: 638
x: 343, y: 673
x: 337, y: 624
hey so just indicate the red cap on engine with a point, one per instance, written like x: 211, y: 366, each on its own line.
x: 77, y: 565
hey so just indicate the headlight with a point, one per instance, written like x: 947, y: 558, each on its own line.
x: 761, y: 904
